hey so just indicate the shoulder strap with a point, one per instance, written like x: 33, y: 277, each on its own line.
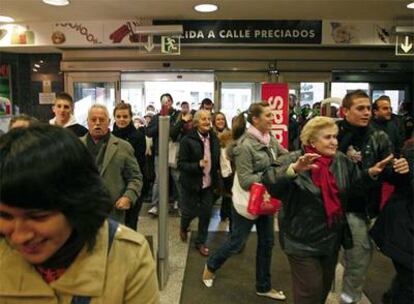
x: 112, y: 228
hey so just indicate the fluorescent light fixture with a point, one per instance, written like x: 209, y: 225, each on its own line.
x: 410, y: 5
x: 6, y: 19
x: 159, y: 29
x: 57, y: 2
x: 404, y: 29
x: 206, y: 8
x: 37, y: 65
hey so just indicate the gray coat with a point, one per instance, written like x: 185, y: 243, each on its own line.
x: 252, y: 158
x: 120, y: 173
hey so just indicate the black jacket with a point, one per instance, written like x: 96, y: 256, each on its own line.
x: 374, y: 145
x: 390, y: 127
x: 393, y: 231
x: 190, y: 154
x: 152, y: 128
x: 137, y: 140
x: 302, y: 219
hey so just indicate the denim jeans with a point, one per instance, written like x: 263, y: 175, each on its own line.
x: 357, y: 259
x: 240, y: 232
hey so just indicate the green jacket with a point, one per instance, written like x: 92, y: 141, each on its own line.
x: 125, y: 276
x: 120, y: 172
x: 252, y: 158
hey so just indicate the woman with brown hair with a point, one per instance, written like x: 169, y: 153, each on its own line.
x: 124, y: 128
x: 253, y: 151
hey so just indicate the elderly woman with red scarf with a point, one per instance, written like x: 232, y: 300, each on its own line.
x: 313, y: 185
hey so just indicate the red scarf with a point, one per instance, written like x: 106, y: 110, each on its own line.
x: 50, y: 274
x: 324, y: 179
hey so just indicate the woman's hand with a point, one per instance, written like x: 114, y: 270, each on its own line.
x: 305, y: 162
x: 379, y: 166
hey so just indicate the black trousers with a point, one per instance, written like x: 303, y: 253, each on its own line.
x: 131, y: 215
x: 197, y: 204
x: 403, y: 287
x: 312, y: 277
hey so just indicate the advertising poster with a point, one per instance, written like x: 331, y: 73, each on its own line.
x: 277, y: 95
x: 5, y: 90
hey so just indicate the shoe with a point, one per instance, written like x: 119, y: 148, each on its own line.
x: 183, y: 236
x: 153, y: 211
x: 208, y: 277
x: 204, y: 251
x: 175, y: 205
x: 273, y: 294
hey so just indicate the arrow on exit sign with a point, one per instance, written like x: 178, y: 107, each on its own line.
x: 404, y: 45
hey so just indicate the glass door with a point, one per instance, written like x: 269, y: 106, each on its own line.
x: 395, y: 92
x: 90, y: 88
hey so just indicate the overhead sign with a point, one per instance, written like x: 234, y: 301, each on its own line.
x: 277, y: 95
x: 404, y: 45
x: 170, y: 45
x: 249, y: 31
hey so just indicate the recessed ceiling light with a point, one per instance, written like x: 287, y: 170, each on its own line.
x: 410, y: 5
x: 6, y: 19
x: 206, y: 8
x: 57, y: 2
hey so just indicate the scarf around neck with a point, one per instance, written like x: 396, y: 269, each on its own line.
x: 352, y: 135
x: 323, y: 178
x: 263, y: 138
x: 124, y: 133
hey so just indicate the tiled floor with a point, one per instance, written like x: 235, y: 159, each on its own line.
x: 178, y: 250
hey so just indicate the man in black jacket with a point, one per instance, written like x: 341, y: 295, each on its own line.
x: 365, y: 145
x: 152, y: 132
x: 384, y: 120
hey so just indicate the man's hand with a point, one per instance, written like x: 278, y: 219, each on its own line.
x: 123, y: 203
x: 401, y: 166
x: 379, y: 166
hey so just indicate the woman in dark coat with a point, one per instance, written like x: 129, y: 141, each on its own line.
x: 198, y: 163
x: 393, y: 233
x: 124, y: 128
x: 313, y: 185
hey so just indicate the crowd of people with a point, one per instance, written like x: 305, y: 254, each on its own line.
x: 66, y: 192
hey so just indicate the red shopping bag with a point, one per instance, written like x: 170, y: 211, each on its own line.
x: 260, y: 201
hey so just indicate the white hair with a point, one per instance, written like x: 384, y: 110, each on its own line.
x: 99, y: 106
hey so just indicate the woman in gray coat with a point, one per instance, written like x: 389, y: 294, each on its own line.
x: 253, y: 151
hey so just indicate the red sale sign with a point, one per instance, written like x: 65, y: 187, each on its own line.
x: 277, y: 95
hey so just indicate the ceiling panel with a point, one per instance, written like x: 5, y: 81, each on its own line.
x: 36, y: 10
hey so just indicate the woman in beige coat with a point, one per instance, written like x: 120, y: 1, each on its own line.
x: 56, y: 244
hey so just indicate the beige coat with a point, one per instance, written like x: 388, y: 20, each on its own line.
x: 126, y: 276
x: 120, y: 173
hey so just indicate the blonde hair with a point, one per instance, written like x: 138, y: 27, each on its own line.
x: 312, y: 127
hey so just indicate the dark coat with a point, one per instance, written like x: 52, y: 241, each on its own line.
x: 302, y: 220
x: 190, y: 154
x: 152, y: 128
x: 137, y: 140
x: 393, y: 231
x: 376, y: 146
